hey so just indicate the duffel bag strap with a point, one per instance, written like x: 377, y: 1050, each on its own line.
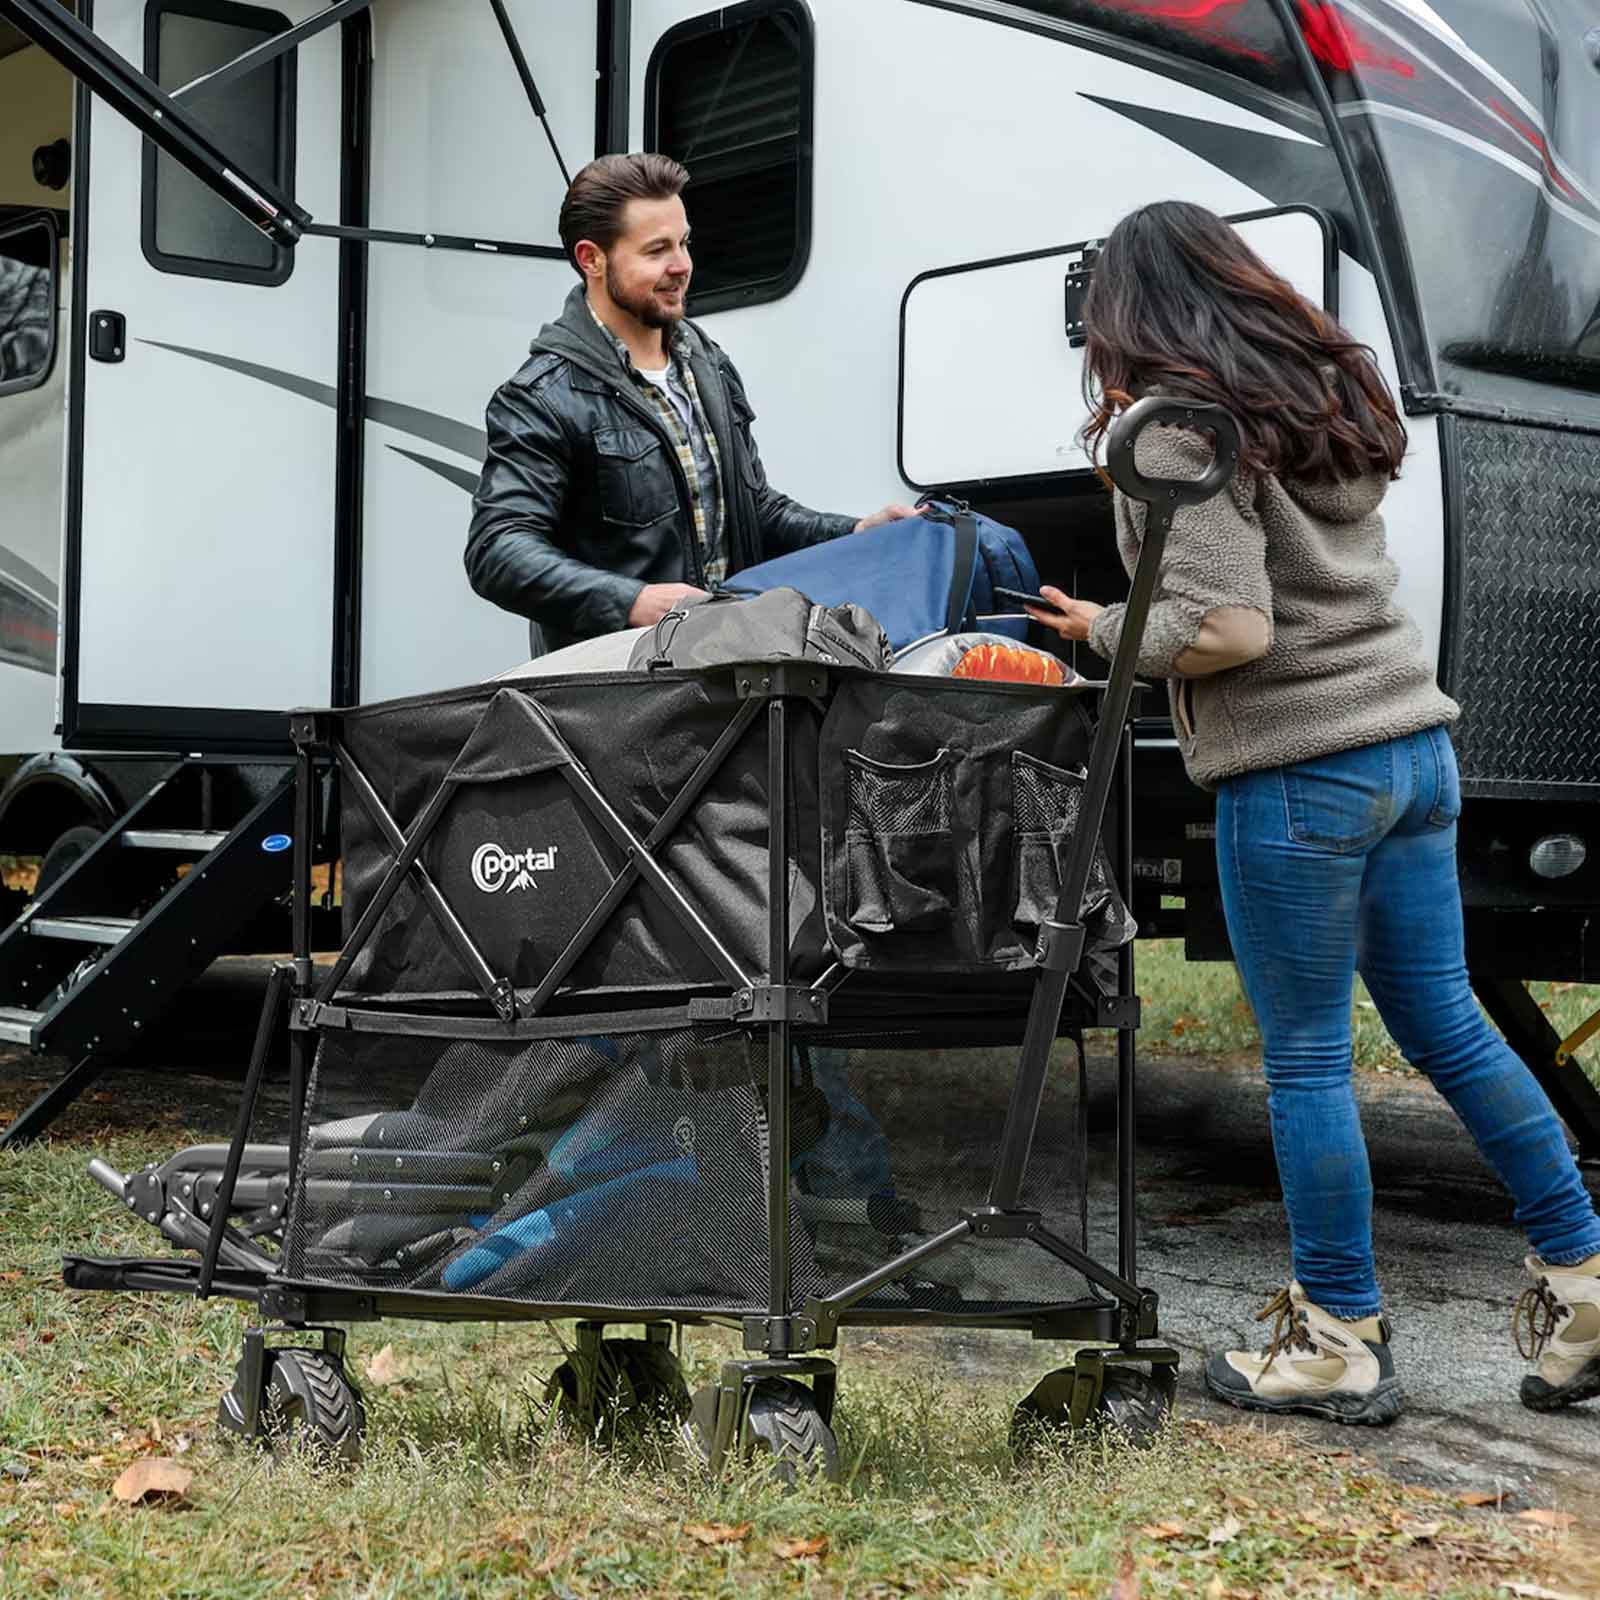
x: 964, y: 571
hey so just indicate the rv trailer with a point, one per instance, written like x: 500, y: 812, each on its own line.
x: 261, y: 266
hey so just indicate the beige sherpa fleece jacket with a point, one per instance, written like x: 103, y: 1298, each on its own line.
x: 1274, y: 619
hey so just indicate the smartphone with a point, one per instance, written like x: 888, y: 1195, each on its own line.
x: 1020, y: 598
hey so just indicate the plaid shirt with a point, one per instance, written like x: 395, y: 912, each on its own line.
x: 706, y: 500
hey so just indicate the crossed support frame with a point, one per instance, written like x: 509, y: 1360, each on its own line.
x: 1119, y: 1312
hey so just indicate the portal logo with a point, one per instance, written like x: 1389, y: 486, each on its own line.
x: 494, y: 869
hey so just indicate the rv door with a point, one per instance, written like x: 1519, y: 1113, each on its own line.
x: 201, y: 533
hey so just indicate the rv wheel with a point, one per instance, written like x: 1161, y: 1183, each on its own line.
x: 784, y: 1424
x: 69, y: 848
x: 637, y: 1382
x: 306, y: 1398
x: 1132, y: 1403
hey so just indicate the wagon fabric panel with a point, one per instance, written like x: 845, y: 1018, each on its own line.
x: 927, y: 823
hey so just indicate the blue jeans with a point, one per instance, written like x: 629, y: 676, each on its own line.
x: 1348, y: 863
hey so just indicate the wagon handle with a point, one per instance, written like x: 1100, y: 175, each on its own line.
x: 1061, y: 936
x: 1191, y: 414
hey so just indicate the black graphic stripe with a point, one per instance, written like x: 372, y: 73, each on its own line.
x: 429, y: 425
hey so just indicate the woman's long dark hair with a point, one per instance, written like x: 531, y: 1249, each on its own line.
x: 1180, y: 303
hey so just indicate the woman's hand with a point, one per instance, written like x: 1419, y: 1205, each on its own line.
x: 1071, y: 618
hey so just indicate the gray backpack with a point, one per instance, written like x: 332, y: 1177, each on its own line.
x: 778, y: 625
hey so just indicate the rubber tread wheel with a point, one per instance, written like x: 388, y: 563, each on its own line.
x: 1135, y: 1404
x: 657, y: 1377
x: 637, y: 1382
x: 785, y: 1423
x: 308, y: 1398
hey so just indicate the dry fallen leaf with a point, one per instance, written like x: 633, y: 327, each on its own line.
x: 1534, y: 1591
x: 1216, y: 1589
x: 1556, y: 1521
x: 719, y: 1532
x: 544, y: 1568
x: 10, y: 1277
x: 1228, y: 1528
x: 1483, y: 1497
x: 1421, y: 1530
x: 802, y: 1549
x: 1127, y: 1585
x: 1162, y: 1530
x: 153, y: 1478
x: 384, y: 1368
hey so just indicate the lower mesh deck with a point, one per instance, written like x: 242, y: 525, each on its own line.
x: 632, y: 1171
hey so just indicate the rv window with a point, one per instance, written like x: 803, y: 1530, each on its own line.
x: 186, y: 228
x: 729, y: 95
x: 27, y: 302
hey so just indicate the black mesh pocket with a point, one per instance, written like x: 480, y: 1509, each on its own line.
x: 1046, y: 802
x: 899, y: 852
x: 598, y: 1171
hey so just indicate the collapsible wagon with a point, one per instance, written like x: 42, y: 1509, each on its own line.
x: 674, y: 998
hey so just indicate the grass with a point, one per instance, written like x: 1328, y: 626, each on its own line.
x: 468, y: 1490
x: 1198, y: 1008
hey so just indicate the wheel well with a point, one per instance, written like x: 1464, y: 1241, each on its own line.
x: 41, y: 809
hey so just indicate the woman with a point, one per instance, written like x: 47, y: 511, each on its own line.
x: 1302, y: 695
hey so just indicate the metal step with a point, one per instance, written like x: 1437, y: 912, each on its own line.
x: 16, y: 1026
x: 189, y: 841
x: 83, y: 930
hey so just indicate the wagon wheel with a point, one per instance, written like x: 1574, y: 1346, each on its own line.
x: 784, y: 1424
x: 305, y: 1398
x: 637, y: 1382
x: 1134, y: 1404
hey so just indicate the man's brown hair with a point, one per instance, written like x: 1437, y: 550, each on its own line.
x: 593, y: 206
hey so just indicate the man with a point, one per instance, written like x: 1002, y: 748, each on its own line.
x: 622, y: 478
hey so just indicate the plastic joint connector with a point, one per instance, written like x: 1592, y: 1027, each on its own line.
x: 1060, y: 946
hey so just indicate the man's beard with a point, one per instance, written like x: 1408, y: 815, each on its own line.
x: 642, y: 306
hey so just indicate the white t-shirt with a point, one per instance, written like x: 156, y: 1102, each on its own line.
x: 663, y: 380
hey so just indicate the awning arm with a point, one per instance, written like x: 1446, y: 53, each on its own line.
x: 155, y: 114
x: 279, y: 44
x: 529, y: 87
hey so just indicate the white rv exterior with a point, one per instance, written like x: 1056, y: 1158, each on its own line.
x: 208, y: 451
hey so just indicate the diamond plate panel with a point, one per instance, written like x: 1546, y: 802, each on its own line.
x: 1528, y: 655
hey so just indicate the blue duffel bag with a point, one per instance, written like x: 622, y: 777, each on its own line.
x: 924, y: 575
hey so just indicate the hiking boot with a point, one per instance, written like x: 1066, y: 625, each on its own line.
x: 1316, y: 1365
x: 1557, y: 1324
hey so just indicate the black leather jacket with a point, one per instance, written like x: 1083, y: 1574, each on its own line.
x: 582, y: 501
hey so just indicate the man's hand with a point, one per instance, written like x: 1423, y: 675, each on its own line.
x: 655, y: 600
x: 1071, y: 618
x: 893, y: 513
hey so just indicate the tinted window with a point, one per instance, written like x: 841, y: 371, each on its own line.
x: 187, y: 229
x: 27, y: 303
x: 729, y: 95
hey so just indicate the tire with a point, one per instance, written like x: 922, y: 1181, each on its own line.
x: 309, y: 1401
x: 1133, y: 1404
x: 784, y: 1426
x: 69, y: 848
x: 639, y: 1384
